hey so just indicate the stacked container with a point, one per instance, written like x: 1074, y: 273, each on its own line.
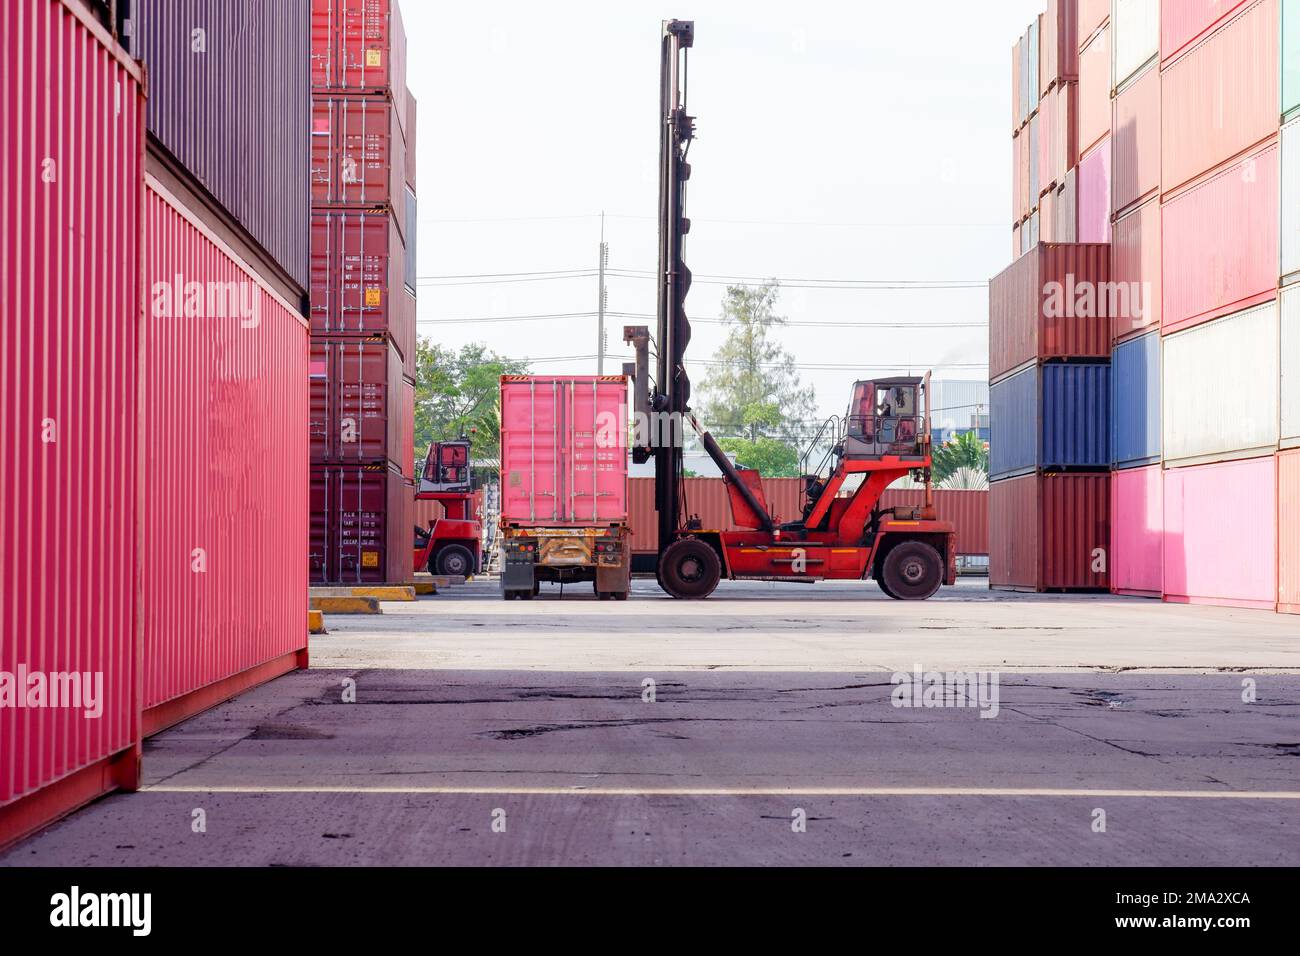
x: 363, y: 364
x: 1288, y: 459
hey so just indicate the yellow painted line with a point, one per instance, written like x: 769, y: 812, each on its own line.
x: 315, y: 622
x: 756, y: 791
x: 345, y: 605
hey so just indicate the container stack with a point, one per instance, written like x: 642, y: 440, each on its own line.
x: 363, y: 222
x: 1288, y: 461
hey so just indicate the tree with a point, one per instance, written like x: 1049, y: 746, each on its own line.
x: 753, y: 394
x: 965, y: 451
x: 456, y: 393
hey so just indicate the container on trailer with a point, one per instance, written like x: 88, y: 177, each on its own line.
x: 1135, y: 402
x: 1058, y: 44
x: 1220, y: 395
x: 1135, y: 144
x: 1219, y: 243
x: 1094, y: 194
x: 223, y: 401
x: 358, y: 264
x: 1049, y: 532
x: 1215, y: 552
x: 362, y: 519
x: 226, y: 98
x: 1135, y: 265
x: 1094, y: 90
x: 1289, y: 200
x: 1288, y: 532
x: 357, y: 404
x: 1046, y: 305
x: 70, y: 288
x: 359, y: 47
x: 1135, y: 32
x: 1289, y: 307
x: 1137, y: 531
x: 1290, y: 59
x: 1183, y: 21
x: 1050, y: 417
x: 1091, y: 15
x: 1220, y: 98
x: 358, y: 156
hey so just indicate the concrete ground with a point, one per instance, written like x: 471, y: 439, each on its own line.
x: 467, y: 730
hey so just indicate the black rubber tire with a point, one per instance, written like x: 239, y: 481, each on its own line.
x: 620, y: 595
x: 509, y: 595
x: 880, y: 580
x: 912, y: 571
x: 689, y: 569
x: 453, y: 559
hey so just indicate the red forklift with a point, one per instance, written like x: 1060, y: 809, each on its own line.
x: 843, y: 532
x: 453, y: 543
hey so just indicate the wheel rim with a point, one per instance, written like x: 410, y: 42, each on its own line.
x: 913, y: 571
x: 454, y: 563
x: 690, y: 569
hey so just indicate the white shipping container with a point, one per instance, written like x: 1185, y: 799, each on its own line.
x: 1067, y: 208
x: 1290, y: 306
x: 1135, y: 37
x: 1220, y: 392
x: 1034, y: 171
x: 1290, y: 200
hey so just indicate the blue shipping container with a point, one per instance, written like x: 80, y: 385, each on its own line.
x: 1050, y: 418
x: 1135, y: 402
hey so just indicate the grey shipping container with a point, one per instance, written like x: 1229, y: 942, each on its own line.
x: 229, y: 99
x: 1052, y: 417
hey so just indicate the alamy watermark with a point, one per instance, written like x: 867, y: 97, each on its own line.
x: 179, y: 299
x: 922, y: 688
x: 1072, y: 299
x: 38, y: 690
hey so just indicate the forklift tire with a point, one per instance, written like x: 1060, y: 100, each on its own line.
x: 689, y: 570
x: 888, y: 593
x: 453, y: 559
x: 912, y: 571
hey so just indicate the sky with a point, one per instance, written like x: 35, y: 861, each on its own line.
x: 853, y: 142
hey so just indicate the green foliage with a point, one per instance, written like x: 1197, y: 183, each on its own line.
x: 770, y: 457
x: 456, y: 393
x: 965, y: 451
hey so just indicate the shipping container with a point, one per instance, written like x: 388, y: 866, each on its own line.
x: 1047, y: 216
x: 1046, y: 305
x: 1050, y: 532
x: 407, y: 327
x: 1289, y: 306
x: 1289, y: 201
x: 1135, y: 265
x: 358, y: 157
x: 1183, y: 21
x: 408, y: 429
x: 227, y: 98
x: 1091, y: 15
x: 1065, y: 138
x: 1220, y: 98
x: 1016, y: 250
x: 410, y: 263
x: 1220, y: 392
x: 410, y: 143
x: 1135, y: 402
x: 1219, y: 243
x: 1137, y: 532
x: 1050, y: 417
x: 358, y: 265
x: 1027, y: 99
x: 1058, y: 44
x: 1034, y: 169
x: 359, y: 46
x: 1221, y: 530
x: 1135, y: 31
x: 1288, y: 532
x: 362, y: 525
x: 1067, y: 209
x: 358, y: 410
x: 1135, y: 144
x: 1094, y: 194
x: 69, y: 306
x: 1026, y: 201
x: 1094, y: 91
x: 1043, y: 137
x: 563, y: 450
x: 1290, y: 58
x: 223, y: 406
x: 1016, y: 79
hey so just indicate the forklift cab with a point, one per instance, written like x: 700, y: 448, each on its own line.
x: 885, y: 419
x: 446, y: 468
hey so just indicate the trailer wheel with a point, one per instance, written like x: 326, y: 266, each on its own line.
x: 453, y: 559
x: 689, y: 569
x: 912, y: 571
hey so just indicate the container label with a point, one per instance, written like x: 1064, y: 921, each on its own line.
x: 370, y: 559
x: 373, y: 298
x: 374, y: 58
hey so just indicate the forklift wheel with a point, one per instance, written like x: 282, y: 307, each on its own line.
x: 888, y: 593
x: 453, y: 559
x: 689, y: 569
x: 912, y: 571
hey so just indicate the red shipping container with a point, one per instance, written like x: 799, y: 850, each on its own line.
x: 1288, y: 532
x: 357, y: 266
x: 1183, y: 21
x: 1135, y: 145
x: 1058, y: 44
x: 1220, y: 243
x: 1092, y: 14
x: 1137, y: 531
x: 1049, y: 532
x: 358, y: 155
x: 358, y: 409
x: 1094, y: 91
x: 1222, y: 98
x: 1135, y: 262
x: 1094, y: 194
x: 1050, y: 303
x: 359, y: 46
x: 224, y: 409
x: 411, y: 140
x: 72, y: 141
x: 362, y: 525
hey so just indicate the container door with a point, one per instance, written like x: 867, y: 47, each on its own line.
x: 530, y: 451
x: 596, y: 476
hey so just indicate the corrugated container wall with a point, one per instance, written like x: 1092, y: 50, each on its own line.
x: 1058, y: 44
x: 1049, y: 532
x: 1182, y: 21
x: 358, y: 155
x: 1220, y: 388
x: 73, y: 122
x: 1290, y: 58
x: 1135, y: 404
x: 357, y: 409
x: 359, y: 46
x: 1137, y: 531
x: 223, y: 401
x: 1067, y: 209
x: 1290, y: 200
x: 1094, y: 194
x: 358, y: 268
x: 1092, y: 14
x: 1215, y: 553
x: 1135, y: 265
x: 1135, y: 144
x: 228, y: 98
x: 1016, y: 85
x: 1094, y: 91
x: 1289, y: 306
x: 1135, y: 28
x: 1221, y: 97
x: 1050, y: 417
x: 1288, y: 531
x: 362, y: 517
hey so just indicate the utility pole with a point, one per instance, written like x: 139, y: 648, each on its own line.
x: 601, y: 298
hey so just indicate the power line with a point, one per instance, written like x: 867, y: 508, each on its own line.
x: 806, y: 283
x: 791, y: 323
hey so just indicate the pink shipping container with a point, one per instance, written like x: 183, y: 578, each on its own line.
x: 1220, y: 243
x: 1015, y: 86
x: 1094, y: 91
x: 1135, y: 143
x: 1182, y: 21
x: 564, y: 450
x: 1049, y: 532
x: 1092, y: 14
x: 1022, y: 157
x: 1065, y: 136
x: 1288, y: 532
x: 1137, y: 531
x: 69, y: 301
x: 1058, y: 44
x: 1221, y: 98
x: 1047, y: 279
x: 1047, y: 178
x: 358, y: 154
x: 1216, y: 554
x: 1094, y: 194
x: 1047, y: 216
x: 1135, y: 261
x: 223, y: 406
